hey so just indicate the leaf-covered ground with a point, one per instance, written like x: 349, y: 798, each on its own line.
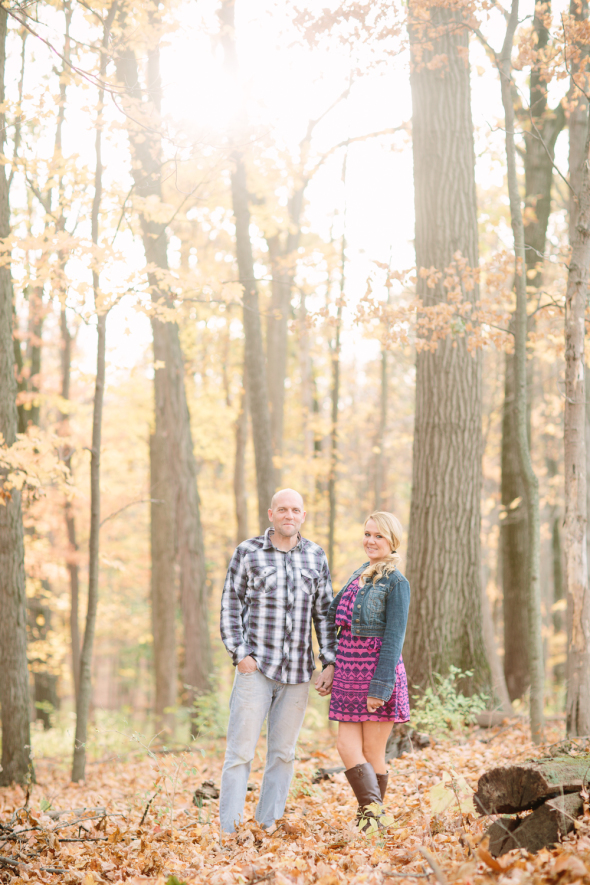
x: 316, y: 842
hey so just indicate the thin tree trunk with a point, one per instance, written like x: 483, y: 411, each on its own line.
x: 277, y: 325
x: 335, y: 394
x: 254, y: 351
x: 240, y: 470
x: 14, y: 675
x: 85, y: 687
x: 445, y: 622
x: 575, y: 524
x: 254, y: 359
x: 546, y: 123
x: 163, y: 581
x: 530, y: 481
x: 172, y: 419
x: 380, y: 495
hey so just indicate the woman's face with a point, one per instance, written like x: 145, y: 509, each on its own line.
x: 376, y: 546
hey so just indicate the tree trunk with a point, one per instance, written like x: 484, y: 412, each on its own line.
x: 575, y: 524
x: 172, y: 419
x: 14, y: 675
x: 162, y: 582
x: 240, y: 497
x: 530, y: 481
x: 380, y: 463
x: 514, y: 543
x: 277, y: 326
x: 282, y: 249
x: 85, y: 688
x: 538, y: 168
x: 254, y: 351
x: 445, y: 622
x: 256, y: 374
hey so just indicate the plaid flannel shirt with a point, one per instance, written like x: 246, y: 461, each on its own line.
x: 269, y: 600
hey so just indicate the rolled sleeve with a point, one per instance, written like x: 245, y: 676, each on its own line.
x: 324, y: 627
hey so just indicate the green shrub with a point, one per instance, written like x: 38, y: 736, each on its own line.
x: 442, y: 708
x: 210, y: 713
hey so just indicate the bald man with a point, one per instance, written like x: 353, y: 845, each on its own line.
x: 276, y: 586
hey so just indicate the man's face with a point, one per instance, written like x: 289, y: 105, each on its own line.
x: 287, y: 515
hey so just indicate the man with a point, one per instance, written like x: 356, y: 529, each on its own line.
x: 276, y: 585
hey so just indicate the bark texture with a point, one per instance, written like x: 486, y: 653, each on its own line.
x: 542, y: 829
x: 14, y: 677
x: 542, y: 128
x: 575, y: 525
x: 514, y: 788
x: 445, y: 623
x: 180, y: 507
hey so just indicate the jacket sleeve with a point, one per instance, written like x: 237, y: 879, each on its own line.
x: 232, y: 607
x: 324, y: 627
x: 396, y: 614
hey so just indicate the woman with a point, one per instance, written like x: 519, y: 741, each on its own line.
x: 370, y: 691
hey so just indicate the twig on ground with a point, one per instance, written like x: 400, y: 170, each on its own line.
x: 147, y: 808
x: 9, y: 862
x: 89, y: 839
x: 438, y: 873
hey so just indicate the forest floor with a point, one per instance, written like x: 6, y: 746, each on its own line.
x: 316, y: 842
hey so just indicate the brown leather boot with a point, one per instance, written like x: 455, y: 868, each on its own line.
x: 365, y: 786
x: 382, y: 781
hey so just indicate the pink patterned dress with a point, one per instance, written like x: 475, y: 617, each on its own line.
x: 356, y: 662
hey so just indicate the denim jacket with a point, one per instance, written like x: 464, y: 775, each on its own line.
x: 380, y: 610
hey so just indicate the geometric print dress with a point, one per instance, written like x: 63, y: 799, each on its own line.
x: 356, y: 662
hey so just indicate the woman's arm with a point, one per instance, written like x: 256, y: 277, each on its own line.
x: 396, y: 619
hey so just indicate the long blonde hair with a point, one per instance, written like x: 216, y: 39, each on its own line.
x: 391, y: 528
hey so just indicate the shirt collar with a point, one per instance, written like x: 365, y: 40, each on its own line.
x: 268, y: 544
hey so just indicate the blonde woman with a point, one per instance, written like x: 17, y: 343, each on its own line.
x: 370, y: 690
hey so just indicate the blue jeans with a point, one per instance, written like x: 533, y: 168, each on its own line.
x: 253, y: 698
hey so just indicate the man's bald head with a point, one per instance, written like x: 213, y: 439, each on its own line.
x: 286, y: 514
x: 285, y: 493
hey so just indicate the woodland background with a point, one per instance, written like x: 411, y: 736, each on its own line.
x: 220, y: 278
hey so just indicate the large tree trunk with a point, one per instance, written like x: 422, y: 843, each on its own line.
x: 575, y: 525
x: 530, y: 481
x: 172, y: 420
x: 445, y: 623
x: 538, y: 168
x: 14, y: 676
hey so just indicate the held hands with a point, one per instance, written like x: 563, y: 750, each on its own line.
x: 373, y: 704
x: 323, y: 684
x: 247, y: 665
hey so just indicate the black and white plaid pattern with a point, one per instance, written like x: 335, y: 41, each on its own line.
x: 268, y: 603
